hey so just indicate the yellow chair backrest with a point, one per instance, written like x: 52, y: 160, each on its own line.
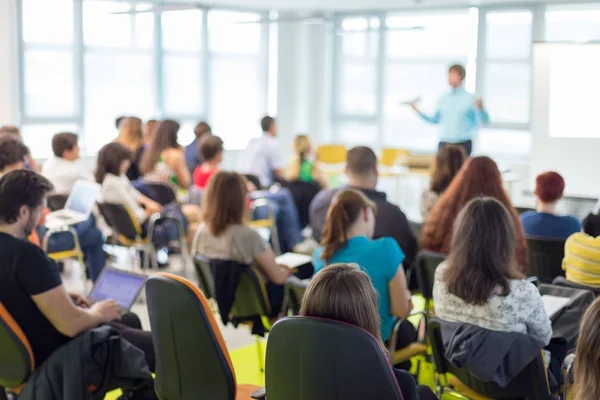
x: 331, y: 153
x: 390, y: 156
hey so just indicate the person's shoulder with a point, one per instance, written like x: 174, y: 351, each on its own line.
x: 23, y: 248
x: 522, y: 288
x: 244, y: 232
x: 324, y: 197
x: 528, y: 214
x: 385, y: 244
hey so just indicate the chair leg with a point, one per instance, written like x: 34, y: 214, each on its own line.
x: 261, y: 362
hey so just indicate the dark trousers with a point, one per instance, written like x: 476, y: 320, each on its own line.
x: 468, y: 146
x: 406, y: 335
x: 410, y: 390
x: 130, y: 329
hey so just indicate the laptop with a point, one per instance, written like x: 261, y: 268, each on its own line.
x: 554, y: 305
x: 121, y: 286
x: 78, y: 207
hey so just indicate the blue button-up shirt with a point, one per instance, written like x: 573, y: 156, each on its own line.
x: 458, y: 116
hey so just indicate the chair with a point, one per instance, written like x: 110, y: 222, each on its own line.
x: 73, y: 253
x: 294, y: 292
x: 545, y: 258
x: 320, y: 359
x: 531, y: 383
x: 192, y: 360
x: 391, y: 157
x: 303, y: 194
x: 562, y: 281
x: 416, y: 228
x: 161, y: 192
x: 331, y: 153
x: 425, y: 265
x: 521, y: 210
x: 266, y: 225
x: 206, y: 282
x: 16, y: 357
x: 56, y: 201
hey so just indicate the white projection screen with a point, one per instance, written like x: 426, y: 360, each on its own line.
x: 566, y: 115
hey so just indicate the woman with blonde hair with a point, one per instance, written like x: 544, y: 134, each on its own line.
x: 301, y: 167
x: 347, y: 238
x: 131, y: 136
x: 586, y: 369
x: 343, y: 292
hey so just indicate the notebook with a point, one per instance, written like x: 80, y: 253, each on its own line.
x: 554, y: 305
x: 293, y: 260
x: 121, y: 286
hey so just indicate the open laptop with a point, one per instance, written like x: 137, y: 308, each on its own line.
x: 554, y: 305
x: 121, y: 286
x: 78, y: 207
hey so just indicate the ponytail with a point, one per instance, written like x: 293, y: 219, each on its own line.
x: 343, y: 212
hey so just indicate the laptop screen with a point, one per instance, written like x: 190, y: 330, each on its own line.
x: 83, y: 197
x: 121, y: 286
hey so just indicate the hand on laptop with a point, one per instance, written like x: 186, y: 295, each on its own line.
x: 107, y: 310
x: 80, y: 301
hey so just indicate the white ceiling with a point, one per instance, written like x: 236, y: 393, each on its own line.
x: 364, y: 5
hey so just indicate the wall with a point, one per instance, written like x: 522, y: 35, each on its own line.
x: 8, y: 67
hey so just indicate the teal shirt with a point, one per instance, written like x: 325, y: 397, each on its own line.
x: 380, y: 259
x: 458, y: 116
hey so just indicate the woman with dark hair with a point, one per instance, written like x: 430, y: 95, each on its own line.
x: 545, y: 221
x: 480, y: 283
x: 479, y: 176
x: 586, y: 368
x: 343, y: 292
x: 347, y: 238
x: 113, y: 162
x: 164, y: 160
x: 448, y: 162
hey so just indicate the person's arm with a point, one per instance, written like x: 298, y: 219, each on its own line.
x: 181, y: 170
x: 538, y: 324
x: 434, y: 119
x: 277, y: 274
x: 293, y: 171
x: 150, y: 205
x: 400, y: 298
x: 70, y: 320
x: 481, y: 113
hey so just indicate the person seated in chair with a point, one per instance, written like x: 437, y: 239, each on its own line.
x: 347, y: 238
x: 390, y: 221
x: 343, y: 292
x: 582, y: 255
x: 193, y: 157
x: 545, y: 222
x: 112, y: 165
x: 30, y: 285
x: 586, y: 371
x: 65, y: 167
x: 480, y: 283
x: 12, y: 154
x: 15, y: 132
x: 301, y: 167
x: 211, y: 151
x: 223, y: 235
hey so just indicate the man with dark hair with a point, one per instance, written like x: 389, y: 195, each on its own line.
x: 211, y: 150
x: 15, y: 132
x: 65, y: 168
x: 193, y: 158
x: 30, y: 285
x: 262, y: 157
x: 459, y: 113
x: 12, y: 154
x: 361, y: 170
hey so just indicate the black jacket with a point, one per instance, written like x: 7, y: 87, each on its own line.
x: 491, y: 356
x: 98, y: 358
x: 390, y: 221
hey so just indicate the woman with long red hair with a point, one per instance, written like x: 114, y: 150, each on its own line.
x: 478, y: 177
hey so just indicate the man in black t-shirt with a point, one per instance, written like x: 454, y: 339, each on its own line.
x: 30, y: 285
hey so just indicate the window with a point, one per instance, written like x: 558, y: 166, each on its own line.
x: 49, y: 22
x: 573, y: 23
x: 507, y: 73
x: 102, y: 26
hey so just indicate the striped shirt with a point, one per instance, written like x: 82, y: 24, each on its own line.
x: 582, y: 259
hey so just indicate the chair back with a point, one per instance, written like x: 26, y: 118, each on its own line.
x: 56, y: 201
x: 321, y: 359
x: 562, y: 281
x: 263, y: 221
x: 391, y: 156
x: 121, y: 220
x: 206, y: 282
x: 531, y: 383
x: 294, y: 292
x: 521, y: 210
x: 251, y: 299
x: 195, y: 195
x: 332, y: 153
x: 161, y: 192
x: 16, y: 357
x: 303, y: 194
x: 426, y: 263
x: 545, y: 258
x: 192, y: 361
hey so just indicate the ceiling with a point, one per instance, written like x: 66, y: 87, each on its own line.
x: 362, y: 5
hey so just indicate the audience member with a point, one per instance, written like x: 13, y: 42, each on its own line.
x: 12, y: 154
x: 544, y: 222
x: 65, y: 168
x: 390, y: 221
x: 30, y: 285
x: 347, y: 238
x: 148, y: 130
x: 223, y: 235
x: 448, y: 162
x: 131, y: 136
x: 211, y: 151
x: 113, y: 162
x: 118, y: 121
x: 301, y: 167
x: 586, y: 367
x: 262, y: 156
x: 344, y: 293
x: 480, y: 283
x: 11, y: 130
x: 582, y: 257
x: 193, y: 157
x: 478, y: 177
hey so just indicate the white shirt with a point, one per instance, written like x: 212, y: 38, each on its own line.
x: 119, y: 190
x: 64, y: 173
x: 261, y: 158
x: 522, y: 310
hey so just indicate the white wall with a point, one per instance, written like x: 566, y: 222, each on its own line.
x: 8, y: 63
